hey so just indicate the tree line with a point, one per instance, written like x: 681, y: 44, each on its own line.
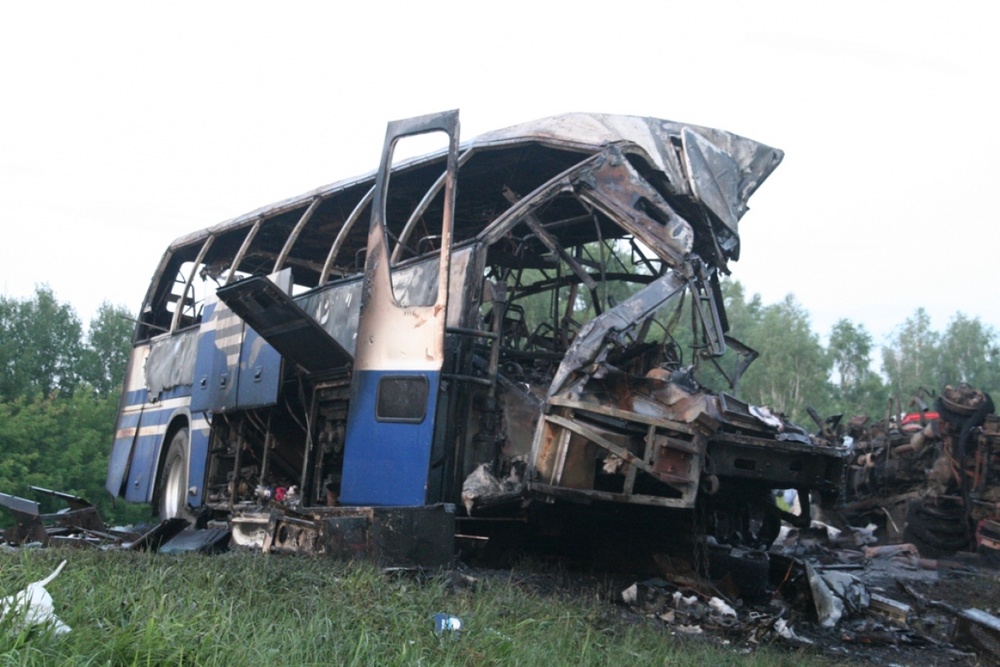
x: 851, y: 375
x: 59, y: 390
x: 60, y: 383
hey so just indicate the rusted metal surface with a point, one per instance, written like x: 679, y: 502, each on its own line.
x: 389, y: 536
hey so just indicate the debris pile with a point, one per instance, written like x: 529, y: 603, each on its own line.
x: 81, y: 526
x: 930, y: 477
x: 922, y: 506
x: 833, y: 589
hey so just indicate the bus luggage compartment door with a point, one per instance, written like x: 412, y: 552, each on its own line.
x: 236, y: 367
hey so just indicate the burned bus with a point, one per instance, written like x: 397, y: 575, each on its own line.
x: 517, y: 321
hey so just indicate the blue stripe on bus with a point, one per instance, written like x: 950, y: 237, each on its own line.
x: 136, y: 397
x: 128, y: 420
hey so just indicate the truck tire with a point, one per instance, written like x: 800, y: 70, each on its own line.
x: 936, y: 531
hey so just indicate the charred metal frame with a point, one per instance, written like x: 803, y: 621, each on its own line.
x: 542, y: 405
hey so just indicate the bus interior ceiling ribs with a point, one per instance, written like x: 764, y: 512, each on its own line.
x: 521, y: 321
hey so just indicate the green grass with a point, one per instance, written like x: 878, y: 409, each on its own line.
x: 250, y: 609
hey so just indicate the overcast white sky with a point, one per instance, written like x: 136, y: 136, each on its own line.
x: 126, y: 125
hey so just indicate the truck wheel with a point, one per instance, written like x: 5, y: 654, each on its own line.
x: 173, y: 483
x: 936, y: 531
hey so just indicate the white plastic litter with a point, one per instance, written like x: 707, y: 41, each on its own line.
x: 721, y: 608
x: 33, y: 605
x: 688, y: 601
x: 630, y: 595
x: 785, y: 631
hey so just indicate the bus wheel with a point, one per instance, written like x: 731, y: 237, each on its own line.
x: 174, y: 479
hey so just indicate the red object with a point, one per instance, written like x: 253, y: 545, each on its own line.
x: 911, y: 417
x: 988, y: 534
x: 279, y: 493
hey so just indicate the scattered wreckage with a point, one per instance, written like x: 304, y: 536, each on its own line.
x: 80, y: 525
x: 519, y: 328
x: 827, y: 594
x: 519, y: 335
x: 930, y: 477
x: 925, y: 487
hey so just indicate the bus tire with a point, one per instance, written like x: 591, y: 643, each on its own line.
x: 173, y: 484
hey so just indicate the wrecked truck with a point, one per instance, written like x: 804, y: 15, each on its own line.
x: 512, y: 323
x: 929, y: 477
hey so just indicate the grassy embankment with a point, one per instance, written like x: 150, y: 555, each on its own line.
x: 248, y: 609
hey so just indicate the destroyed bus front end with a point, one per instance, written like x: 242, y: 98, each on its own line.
x: 524, y: 319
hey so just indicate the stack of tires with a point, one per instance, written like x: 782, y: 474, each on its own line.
x: 937, y: 529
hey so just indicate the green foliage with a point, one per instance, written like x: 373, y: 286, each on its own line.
x: 43, y: 349
x: 793, y: 370
x: 970, y: 352
x: 105, y: 355
x: 60, y: 443
x: 59, y: 400
x: 910, y: 360
x: 858, y: 389
x: 850, y: 349
x: 917, y: 357
x: 40, y: 346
